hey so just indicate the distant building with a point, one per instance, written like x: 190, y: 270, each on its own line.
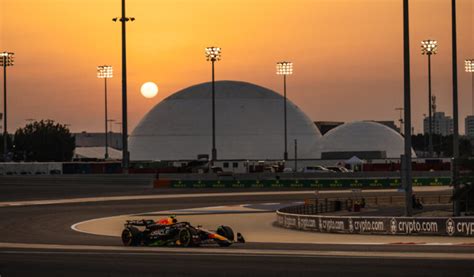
x: 442, y: 124
x: 364, y: 139
x: 326, y: 126
x: 469, y: 125
x: 85, y: 139
x: 249, y: 126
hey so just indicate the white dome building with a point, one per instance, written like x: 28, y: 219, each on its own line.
x: 363, y: 137
x: 249, y: 125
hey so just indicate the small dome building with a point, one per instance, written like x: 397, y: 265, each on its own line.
x: 249, y: 125
x: 364, y: 139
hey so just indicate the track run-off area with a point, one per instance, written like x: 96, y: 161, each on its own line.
x: 65, y: 236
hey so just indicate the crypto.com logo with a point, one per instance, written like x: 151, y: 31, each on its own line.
x: 450, y: 227
x: 393, y: 226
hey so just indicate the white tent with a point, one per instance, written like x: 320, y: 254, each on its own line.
x: 354, y: 161
x: 96, y: 153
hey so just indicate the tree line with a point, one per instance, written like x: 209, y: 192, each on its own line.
x: 40, y: 141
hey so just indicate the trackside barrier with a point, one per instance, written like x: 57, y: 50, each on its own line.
x: 430, y: 226
x: 346, y: 183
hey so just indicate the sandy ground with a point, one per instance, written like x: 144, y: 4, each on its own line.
x: 259, y: 227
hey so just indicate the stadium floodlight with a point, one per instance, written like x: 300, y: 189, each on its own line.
x: 284, y: 68
x: 469, y: 66
x: 6, y: 59
x: 105, y: 72
x: 429, y: 47
x: 213, y: 54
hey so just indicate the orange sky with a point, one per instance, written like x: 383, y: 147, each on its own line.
x: 347, y: 54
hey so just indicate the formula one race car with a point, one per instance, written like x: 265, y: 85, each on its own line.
x: 170, y: 232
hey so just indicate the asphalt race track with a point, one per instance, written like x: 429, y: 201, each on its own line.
x: 37, y: 240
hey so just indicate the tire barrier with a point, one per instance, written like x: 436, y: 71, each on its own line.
x: 429, y: 226
x: 323, y: 183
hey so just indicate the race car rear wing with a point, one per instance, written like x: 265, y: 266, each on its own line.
x: 141, y: 222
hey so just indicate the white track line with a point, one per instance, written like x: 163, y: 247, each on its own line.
x: 189, y: 195
x: 74, y: 226
x: 146, y: 197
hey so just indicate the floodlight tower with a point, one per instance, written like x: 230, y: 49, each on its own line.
x: 428, y: 48
x: 125, y: 155
x: 213, y: 54
x: 105, y: 72
x: 469, y: 66
x: 406, y: 158
x: 6, y: 59
x: 455, y: 166
x: 284, y: 68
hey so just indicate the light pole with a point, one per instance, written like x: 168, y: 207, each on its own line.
x: 105, y: 72
x: 213, y: 54
x: 6, y: 59
x: 428, y: 48
x: 125, y: 155
x: 469, y: 66
x: 406, y: 158
x: 455, y: 173
x: 284, y: 68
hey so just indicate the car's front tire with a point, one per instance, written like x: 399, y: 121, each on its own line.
x: 226, y: 232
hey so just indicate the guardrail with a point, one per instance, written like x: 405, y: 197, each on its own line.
x: 301, y: 175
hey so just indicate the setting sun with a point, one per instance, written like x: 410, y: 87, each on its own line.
x: 149, y: 90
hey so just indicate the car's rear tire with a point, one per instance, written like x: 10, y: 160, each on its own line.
x: 185, y: 237
x: 226, y: 232
x: 131, y: 236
